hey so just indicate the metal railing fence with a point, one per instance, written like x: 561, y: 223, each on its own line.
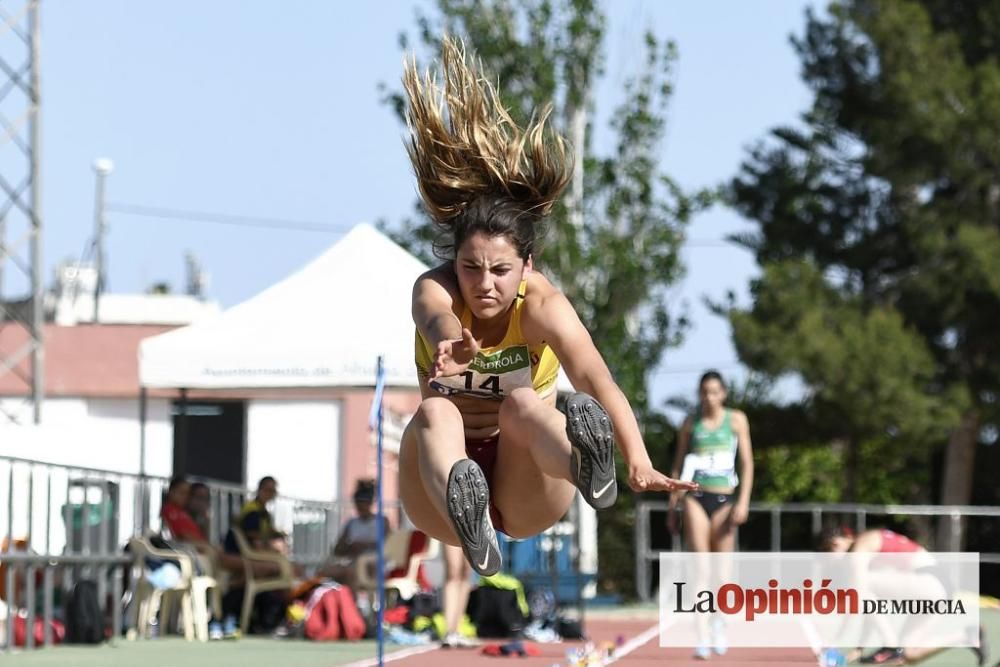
x: 58, y: 509
x: 794, y: 527
x: 61, y: 523
x: 21, y: 573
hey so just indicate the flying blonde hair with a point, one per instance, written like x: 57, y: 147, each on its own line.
x: 464, y: 145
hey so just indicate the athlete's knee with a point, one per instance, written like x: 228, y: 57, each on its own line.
x: 437, y: 410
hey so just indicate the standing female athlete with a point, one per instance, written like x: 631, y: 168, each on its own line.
x: 707, y: 448
x: 487, y: 449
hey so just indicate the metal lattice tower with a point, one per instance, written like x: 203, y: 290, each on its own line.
x: 21, y: 305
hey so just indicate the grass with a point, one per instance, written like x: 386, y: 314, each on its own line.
x: 175, y: 652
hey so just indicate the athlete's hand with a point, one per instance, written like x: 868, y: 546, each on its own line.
x: 644, y: 477
x: 452, y: 357
x: 738, y: 515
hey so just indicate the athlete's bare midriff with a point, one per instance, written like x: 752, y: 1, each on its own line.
x: 481, y: 417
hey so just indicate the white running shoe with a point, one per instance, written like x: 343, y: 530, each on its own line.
x: 455, y: 640
x: 720, y: 643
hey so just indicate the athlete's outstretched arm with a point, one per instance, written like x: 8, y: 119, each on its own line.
x: 552, y: 320
x: 434, y: 297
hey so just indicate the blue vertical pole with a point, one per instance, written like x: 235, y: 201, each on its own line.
x: 380, y: 510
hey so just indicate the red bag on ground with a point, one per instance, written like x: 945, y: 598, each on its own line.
x: 21, y: 631
x: 352, y: 623
x: 398, y: 615
x: 515, y: 649
x: 322, y: 620
x: 331, y: 614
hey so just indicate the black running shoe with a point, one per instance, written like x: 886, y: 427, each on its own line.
x: 469, y: 508
x: 592, y: 438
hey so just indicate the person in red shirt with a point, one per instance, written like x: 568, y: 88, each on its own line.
x: 923, y: 574
x: 184, y: 530
x: 176, y: 518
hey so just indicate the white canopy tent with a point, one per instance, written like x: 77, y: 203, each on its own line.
x: 323, y: 326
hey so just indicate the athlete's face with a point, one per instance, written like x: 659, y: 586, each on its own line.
x: 712, y: 394
x: 489, y: 272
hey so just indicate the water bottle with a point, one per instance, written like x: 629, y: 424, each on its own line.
x: 831, y: 657
x: 364, y: 605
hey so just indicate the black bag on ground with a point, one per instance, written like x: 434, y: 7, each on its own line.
x: 84, y: 620
x: 570, y: 628
x: 495, y: 612
x: 424, y: 604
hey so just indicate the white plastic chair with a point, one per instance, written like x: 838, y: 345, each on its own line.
x: 254, y: 585
x: 191, y: 591
x: 397, y: 554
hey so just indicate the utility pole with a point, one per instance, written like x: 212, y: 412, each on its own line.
x: 21, y: 297
x: 102, y: 168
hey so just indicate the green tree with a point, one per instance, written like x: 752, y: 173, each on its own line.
x: 613, y: 243
x: 879, y: 232
x: 869, y: 377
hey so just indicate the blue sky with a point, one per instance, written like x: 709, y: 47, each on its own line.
x: 271, y: 110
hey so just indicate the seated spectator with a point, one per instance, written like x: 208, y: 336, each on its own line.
x: 358, y: 536
x: 198, y: 507
x: 176, y: 518
x: 184, y: 528
x: 256, y: 523
x: 188, y: 536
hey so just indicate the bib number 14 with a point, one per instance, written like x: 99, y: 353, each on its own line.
x: 491, y: 384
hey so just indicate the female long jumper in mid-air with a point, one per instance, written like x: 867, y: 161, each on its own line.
x: 487, y: 449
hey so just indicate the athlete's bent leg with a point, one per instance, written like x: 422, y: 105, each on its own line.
x: 532, y: 483
x: 432, y: 443
x: 454, y: 506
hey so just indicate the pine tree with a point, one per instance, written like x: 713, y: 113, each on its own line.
x: 879, y: 233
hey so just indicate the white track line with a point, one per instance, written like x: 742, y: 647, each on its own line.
x: 636, y: 642
x: 631, y: 645
x: 813, y: 637
x: 395, y: 655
